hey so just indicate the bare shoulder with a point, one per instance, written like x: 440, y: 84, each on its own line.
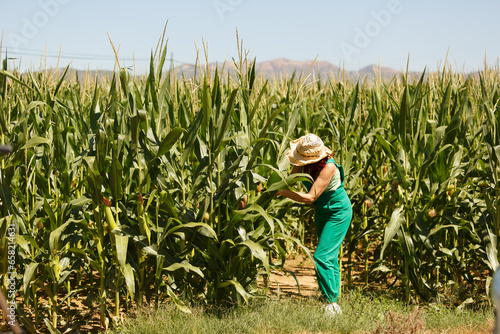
x: 328, y: 171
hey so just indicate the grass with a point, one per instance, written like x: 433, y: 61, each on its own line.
x: 362, y: 314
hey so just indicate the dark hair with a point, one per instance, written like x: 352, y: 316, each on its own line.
x: 316, y: 167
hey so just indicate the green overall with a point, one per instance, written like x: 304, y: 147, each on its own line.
x: 333, y: 218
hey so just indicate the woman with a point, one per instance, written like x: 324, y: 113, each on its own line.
x: 309, y: 155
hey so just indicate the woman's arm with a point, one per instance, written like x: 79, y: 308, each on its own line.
x: 317, y: 188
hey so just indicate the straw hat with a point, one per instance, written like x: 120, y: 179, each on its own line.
x: 307, y: 150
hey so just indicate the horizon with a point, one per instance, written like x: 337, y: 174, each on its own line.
x: 386, y: 71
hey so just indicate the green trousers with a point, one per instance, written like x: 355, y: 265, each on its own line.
x: 333, y: 218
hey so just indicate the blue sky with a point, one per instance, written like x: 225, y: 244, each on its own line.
x: 352, y: 34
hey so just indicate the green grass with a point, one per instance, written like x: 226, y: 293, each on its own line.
x: 362, y: 314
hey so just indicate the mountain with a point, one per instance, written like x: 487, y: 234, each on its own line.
x: 271, y: 69
x: 283, y: 67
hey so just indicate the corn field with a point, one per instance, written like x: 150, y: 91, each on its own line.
x: 135, y: 190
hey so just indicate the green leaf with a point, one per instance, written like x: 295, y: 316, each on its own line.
x: 206, y: 105
x: 257, y: 208
x: 50, y: 327
x: 352, y: 109
x: 128, y: 274
x: 221, y: 129
x: 464, y: 304
x: 168, y: 203
x: 386, y: 146
x: 59, y: 83
x: 297, y: 242
x: 257, y: 251
x: 180, y: 305
x: 28, y: 274
x: 159, y: 267
x: 11, y: 76
x: 35, y: 141
x: 257, y: 102
x: 288, y: 181
x: 404, y: 114
x: 392, y: 227
x: 239, y: 288
x: 121, y: 249
x: 489, y: 239
x: 382, y: 268
x: 55, y: 236
x: 186, y: 266
x: 446, y: 251
x: 262, y: 138
x: 80, y: 201
x: 169, y: 141
x: 116, y: 179
x: 445, y: 105
x: 192, y: 133
x: 25, y: 245
x: 440, y: 227
x: 193, y: 225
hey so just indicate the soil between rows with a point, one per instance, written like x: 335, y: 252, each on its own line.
x: 283, y: 283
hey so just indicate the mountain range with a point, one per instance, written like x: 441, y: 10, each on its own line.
x: 285, y: 67
x: 271, y: 69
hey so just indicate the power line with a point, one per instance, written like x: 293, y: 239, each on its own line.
x: 76, y: 56
x: 34, y: 52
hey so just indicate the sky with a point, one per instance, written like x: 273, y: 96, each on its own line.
x: 352, y: 34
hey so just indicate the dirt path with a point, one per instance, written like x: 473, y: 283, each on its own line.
x: 303, y: 269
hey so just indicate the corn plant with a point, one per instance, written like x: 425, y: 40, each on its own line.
x: 134, y: 189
